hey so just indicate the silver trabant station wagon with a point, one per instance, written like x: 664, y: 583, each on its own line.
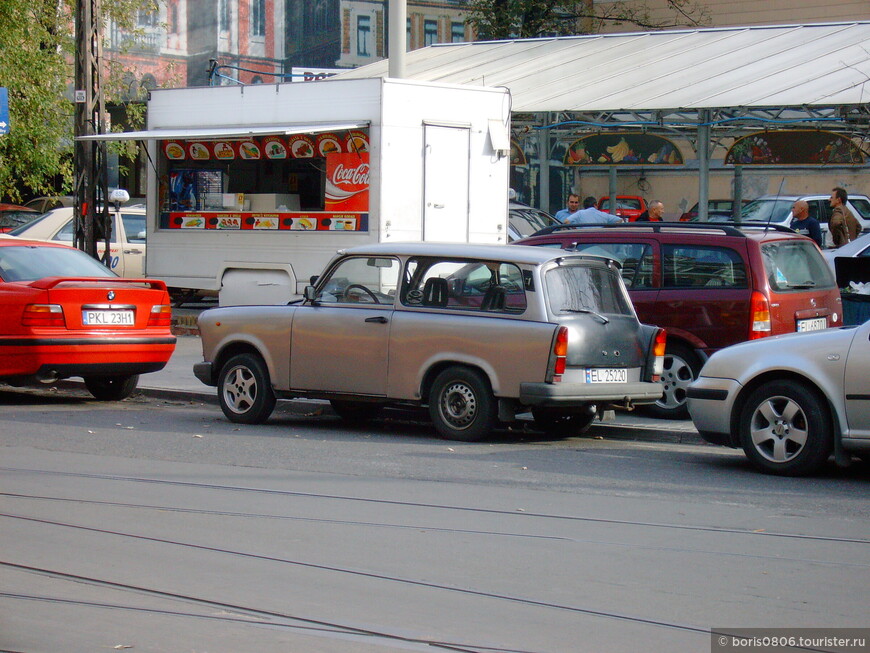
x: 478, y: 333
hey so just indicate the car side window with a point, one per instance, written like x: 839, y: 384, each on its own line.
x: 369, y: 280
x: 693, y: 266
x: 636, y: 260
x: 134, y: 227
x: 488, y: 286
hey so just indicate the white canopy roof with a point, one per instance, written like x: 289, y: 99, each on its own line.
x: 771, y: 66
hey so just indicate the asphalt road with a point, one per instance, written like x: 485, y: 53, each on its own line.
x: 158, y: 525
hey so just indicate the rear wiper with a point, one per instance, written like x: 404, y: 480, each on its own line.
x: 802, y: 286
x: 566, y: 309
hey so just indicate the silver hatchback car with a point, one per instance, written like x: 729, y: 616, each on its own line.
x: 789, y: 401
x: 477, y: 333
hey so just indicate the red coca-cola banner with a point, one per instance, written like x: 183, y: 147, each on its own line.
x: 347, y: 182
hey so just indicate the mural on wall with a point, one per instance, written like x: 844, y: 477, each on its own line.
x: 622, y: 148
x: 794, y: 147
x: 518, y: 157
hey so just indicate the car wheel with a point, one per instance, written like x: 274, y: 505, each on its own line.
x: 461, y: 405
x: 681, y: 367
x: 111, y: 388
x: 785, y: 428
x: 355, y: 411
x: 561, y: 424
x: 245, y: 391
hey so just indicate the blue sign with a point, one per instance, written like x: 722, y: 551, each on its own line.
x: 4, y: 111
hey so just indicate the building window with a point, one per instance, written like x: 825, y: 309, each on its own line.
x: 363, y: 35
x: 173, y: 19
x: 224, y: 15
x: 408, y: 47
x: 430, y: 32
x: 147, y: 18
x: 457, y: 32
x: 258, y: 18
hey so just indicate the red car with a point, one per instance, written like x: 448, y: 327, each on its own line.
x: 628, y: 207
x: 64, y: 314
x: 12, y: 216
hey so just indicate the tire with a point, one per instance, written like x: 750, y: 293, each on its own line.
x: 111, y: 388
x: 461, y: 405
x: 681, y: 367
x: 561, y: 424
x: 786, y: 429
x: 355, y: 411
x: 245, y: 391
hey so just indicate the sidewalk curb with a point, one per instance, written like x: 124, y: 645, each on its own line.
x: 602, y: 430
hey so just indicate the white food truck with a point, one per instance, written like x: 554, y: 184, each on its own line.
x: 252, y: 189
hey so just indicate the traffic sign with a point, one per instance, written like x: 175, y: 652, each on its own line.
x: 4, y: 111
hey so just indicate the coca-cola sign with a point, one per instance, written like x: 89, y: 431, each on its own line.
x: 347, y: 182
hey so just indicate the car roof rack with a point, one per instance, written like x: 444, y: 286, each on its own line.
x: 727, y: 228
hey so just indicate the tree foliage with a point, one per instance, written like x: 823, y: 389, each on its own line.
x: 505, y: 19
x: 37, y: 54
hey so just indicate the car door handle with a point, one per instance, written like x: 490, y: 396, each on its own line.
x: 380, y: 319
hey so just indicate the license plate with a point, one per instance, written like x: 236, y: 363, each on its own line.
x: 108, y: 318
x: 812, y: 325
x: 607, y: 375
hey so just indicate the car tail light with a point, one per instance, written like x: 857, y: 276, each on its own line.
x: 43, y: 315
x: 560, y: 354
x: 161, y: 315
x: 759, y: 311
x: 659, y: 345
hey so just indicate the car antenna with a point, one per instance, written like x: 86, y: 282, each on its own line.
x: 770, y: 217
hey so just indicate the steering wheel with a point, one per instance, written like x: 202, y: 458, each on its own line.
x: 364, y: 289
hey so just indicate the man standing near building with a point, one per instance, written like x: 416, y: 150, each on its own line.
x: 653, y: 213
x: 843, y: 225
x: 573, y: 205
x: 802, y: 223
x: 591, y: 215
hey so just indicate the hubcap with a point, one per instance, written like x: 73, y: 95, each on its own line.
x: 458, y: 405
x: 240, y: 389
x: 676, y: 377
x: 779, y: 429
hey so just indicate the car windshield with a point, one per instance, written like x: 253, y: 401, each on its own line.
x: 795, y: 265
x: 584, y: 289
x: 28, y: 263
x: 623, y: 203
x: 767, y: 210
x: 16, y: 218
x: 526, y: 220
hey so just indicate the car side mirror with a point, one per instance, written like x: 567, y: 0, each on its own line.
x: 311, y: 294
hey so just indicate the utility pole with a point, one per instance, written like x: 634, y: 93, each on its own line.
x: 91, y: 211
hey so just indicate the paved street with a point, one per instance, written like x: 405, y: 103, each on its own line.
x: 158, y: 525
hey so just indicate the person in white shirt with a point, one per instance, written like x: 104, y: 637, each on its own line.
x: 591, y: 215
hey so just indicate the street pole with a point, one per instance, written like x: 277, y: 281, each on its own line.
x: 91, y: 213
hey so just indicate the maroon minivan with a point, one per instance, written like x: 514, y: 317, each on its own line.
x: 710, y: 286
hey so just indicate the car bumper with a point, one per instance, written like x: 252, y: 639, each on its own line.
x: 570, y: 394
x: 204, y: 372
x: 710, y: 402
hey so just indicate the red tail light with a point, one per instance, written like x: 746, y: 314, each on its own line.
x: 659, y: 345
x: 759, y: 315
x: 161, y: 316
x: 560, y: 354
x: 43, y: 315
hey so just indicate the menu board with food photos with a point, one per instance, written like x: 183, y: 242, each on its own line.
x: 265, y: 221
x: 274, y: 147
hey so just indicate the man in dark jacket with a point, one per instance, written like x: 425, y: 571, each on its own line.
x: 802, y: 223
x: 843, y: 225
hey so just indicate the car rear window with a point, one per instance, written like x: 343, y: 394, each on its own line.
x: 795, y: 265
x: 584, y: 288
x: 527, y: 220
x: 27, y: 263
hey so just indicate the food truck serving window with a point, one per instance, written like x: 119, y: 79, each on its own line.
x: 302, y: 182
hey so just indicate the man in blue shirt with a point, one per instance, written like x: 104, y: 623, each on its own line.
x: 573, y: 205
x: 802, y: 223
x: 591, y: 215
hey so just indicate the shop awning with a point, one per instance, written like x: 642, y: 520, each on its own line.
x: 211, y: 133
